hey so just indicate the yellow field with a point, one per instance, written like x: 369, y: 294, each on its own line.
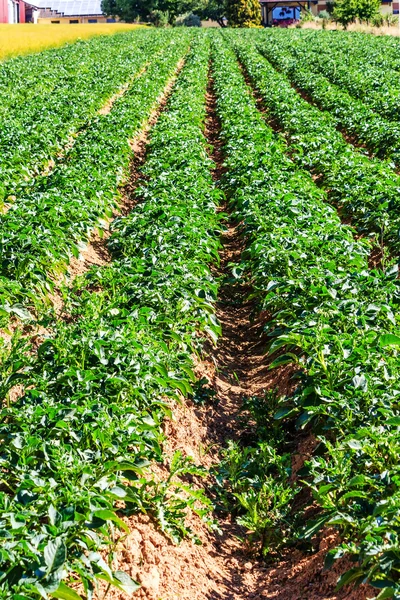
x: 26, y: 38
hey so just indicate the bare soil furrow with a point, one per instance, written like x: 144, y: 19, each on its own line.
x: 223, y: 567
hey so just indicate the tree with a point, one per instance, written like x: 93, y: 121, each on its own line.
x: 129, y: 10
x: 159, y: 18
x: 347, y: 11
x: 214, y: 10
x: 174, y: 8
x: 243, y: 13
x: 158, y: 11
x: 368, y: 9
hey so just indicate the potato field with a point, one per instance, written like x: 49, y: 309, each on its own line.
x: 199, y: 313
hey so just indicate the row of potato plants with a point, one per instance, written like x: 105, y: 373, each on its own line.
x: 355, y: 47
x: 380, y: 136
x: 365, y: 189
x: 377, y: 87
x: 382, y: 51
x: 80, y: 436
x: 46, y: 97
x: 50, y: 218
x: 336, y: 323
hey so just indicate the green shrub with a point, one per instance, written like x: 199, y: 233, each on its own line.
x: 159, y: 18
x: 188, y: 20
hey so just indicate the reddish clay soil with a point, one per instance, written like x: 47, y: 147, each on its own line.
x: 223, y: 567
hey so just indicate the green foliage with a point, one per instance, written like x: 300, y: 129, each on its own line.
x: 363, y: 66
x: 87, y: 425
x: 261, y: 410
x: 332, y: 318
x: 159, y: 18
x: 243, y: 13
x: 169, y: 500
x: 127, y: 10
x: 48, y: 97
x: 163, y: 12
x: 335, y: 86
x: 368, y: 9
x: 158, y: 12
x: 253, y: 478
x: 306, y: 16
x: 214, y: 10
x: 347, y: 11
x: 253, y: 483
x: 203, y: 393
x: 83, y: 433
x: 54, y: 214
x: 366, y: 188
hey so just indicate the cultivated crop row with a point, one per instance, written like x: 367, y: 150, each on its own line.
x: 46, y: 223
x: 335, y: 322
x: 377, y: 87
x: 46, y: 97
x: 380, y: 136
x: 382, y: 51
x: 95, y: 392
x: 355, y: 48
x: 365, y: 189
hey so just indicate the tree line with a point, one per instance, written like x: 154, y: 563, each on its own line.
x: 236, y: 13
x: 232, y: 13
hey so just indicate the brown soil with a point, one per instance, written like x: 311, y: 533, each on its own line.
x: 223, y: 567
x: 376, y: 257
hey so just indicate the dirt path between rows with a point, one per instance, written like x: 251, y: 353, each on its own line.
x: 222, y: 568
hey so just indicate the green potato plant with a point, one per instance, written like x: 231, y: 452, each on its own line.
x: 82, y: 434
x: 335, y: 321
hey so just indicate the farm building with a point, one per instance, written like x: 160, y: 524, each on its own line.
x: 274, y: 11
x: 16, y: 11
x: 71, y: 11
